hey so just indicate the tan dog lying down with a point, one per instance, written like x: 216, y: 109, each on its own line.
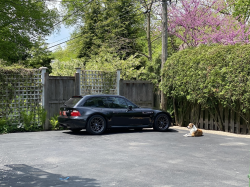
x: 193, y: 131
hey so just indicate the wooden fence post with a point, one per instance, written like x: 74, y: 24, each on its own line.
x: 232, y: 121
x: 46, y: 100
x: 206, y: 119
x: 201, y: 121
x: 238, y: 121
x: 226, y: 119
x: 121, y: 88
x: 118, y: 81
x: 45, y: 103
x: 43, y: 69
x: 156, y: 100
x: 78, y: 81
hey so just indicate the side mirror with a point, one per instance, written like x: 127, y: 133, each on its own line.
x: 129, y: 107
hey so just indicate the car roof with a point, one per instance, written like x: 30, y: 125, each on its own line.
x: 85, y: 97
x: 103, y: 95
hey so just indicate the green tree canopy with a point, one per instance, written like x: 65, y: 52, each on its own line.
x: 21, y: 23
x: 239, y: 9
x: 115, y: 23
x: 39, y: 56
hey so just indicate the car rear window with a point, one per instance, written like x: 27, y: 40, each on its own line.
x: 72, y: 101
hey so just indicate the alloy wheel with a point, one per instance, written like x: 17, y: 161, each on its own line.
x: 97, y: 124
x: 162, y: 122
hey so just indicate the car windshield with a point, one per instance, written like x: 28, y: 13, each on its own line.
x: 131, y: 104
x: 72, y: 101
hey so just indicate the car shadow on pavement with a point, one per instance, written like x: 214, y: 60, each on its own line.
x: 28, y: 176
x: 118, y: 131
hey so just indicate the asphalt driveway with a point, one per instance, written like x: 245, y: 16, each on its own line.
x: 123, y: 158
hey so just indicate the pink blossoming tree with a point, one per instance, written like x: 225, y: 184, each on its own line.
x: 203, y: 22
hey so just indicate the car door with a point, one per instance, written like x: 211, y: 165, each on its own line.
x: 122, y: 116
x: 141, y: 116
x: 119, y: 107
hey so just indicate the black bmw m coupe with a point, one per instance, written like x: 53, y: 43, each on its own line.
x: 96, y: 113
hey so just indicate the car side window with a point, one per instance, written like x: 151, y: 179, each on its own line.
x: 100, y: 102
x: 131, y: 104
x: 117, y: 102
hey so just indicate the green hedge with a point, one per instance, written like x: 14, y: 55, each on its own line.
x: 208, y: 75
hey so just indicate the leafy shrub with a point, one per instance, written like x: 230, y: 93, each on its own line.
x: 29, y: 119
x: 3, y: 126
x: 66, y: 68
x: 54, y: 123
x: 105, y: 61
x: 42, y: 114
x: 7, y: 127
x: 208, y: 75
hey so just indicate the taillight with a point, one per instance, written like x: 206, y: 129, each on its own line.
x: 60, y: 112
x: 75, y: 113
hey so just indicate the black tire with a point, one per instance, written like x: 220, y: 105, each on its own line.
x: 162, y: 123
x: 96, y: 125
x: 75, y: 130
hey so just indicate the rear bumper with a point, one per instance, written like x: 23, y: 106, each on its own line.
x: 72, y: 122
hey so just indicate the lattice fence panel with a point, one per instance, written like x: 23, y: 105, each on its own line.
x: 23, y: 94
x: 98, y: 82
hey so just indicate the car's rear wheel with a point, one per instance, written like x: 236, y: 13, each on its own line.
x: 96, y: 125
x: 75, y: 130
x: 162, y: 123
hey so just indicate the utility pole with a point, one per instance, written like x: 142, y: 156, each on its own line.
x: 164, y: 45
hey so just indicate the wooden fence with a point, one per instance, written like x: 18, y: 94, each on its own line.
x: 59, y: 89
x: 139, y: 92
x: 231, y: 120
x: 98, y: 82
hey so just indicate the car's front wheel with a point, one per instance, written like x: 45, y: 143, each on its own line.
x: 96, y: 125
x: 162, y: 123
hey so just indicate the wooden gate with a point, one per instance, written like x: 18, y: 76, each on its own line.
x: 58, y: 89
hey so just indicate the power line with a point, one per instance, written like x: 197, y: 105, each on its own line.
x: 59, y: 40
x: 64, y: 41
x: 96, y: 25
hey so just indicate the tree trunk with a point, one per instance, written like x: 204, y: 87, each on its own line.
x: 149, y: 34
x: 164, y: 47
x: 149, y: 31
x: 175, y: 113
